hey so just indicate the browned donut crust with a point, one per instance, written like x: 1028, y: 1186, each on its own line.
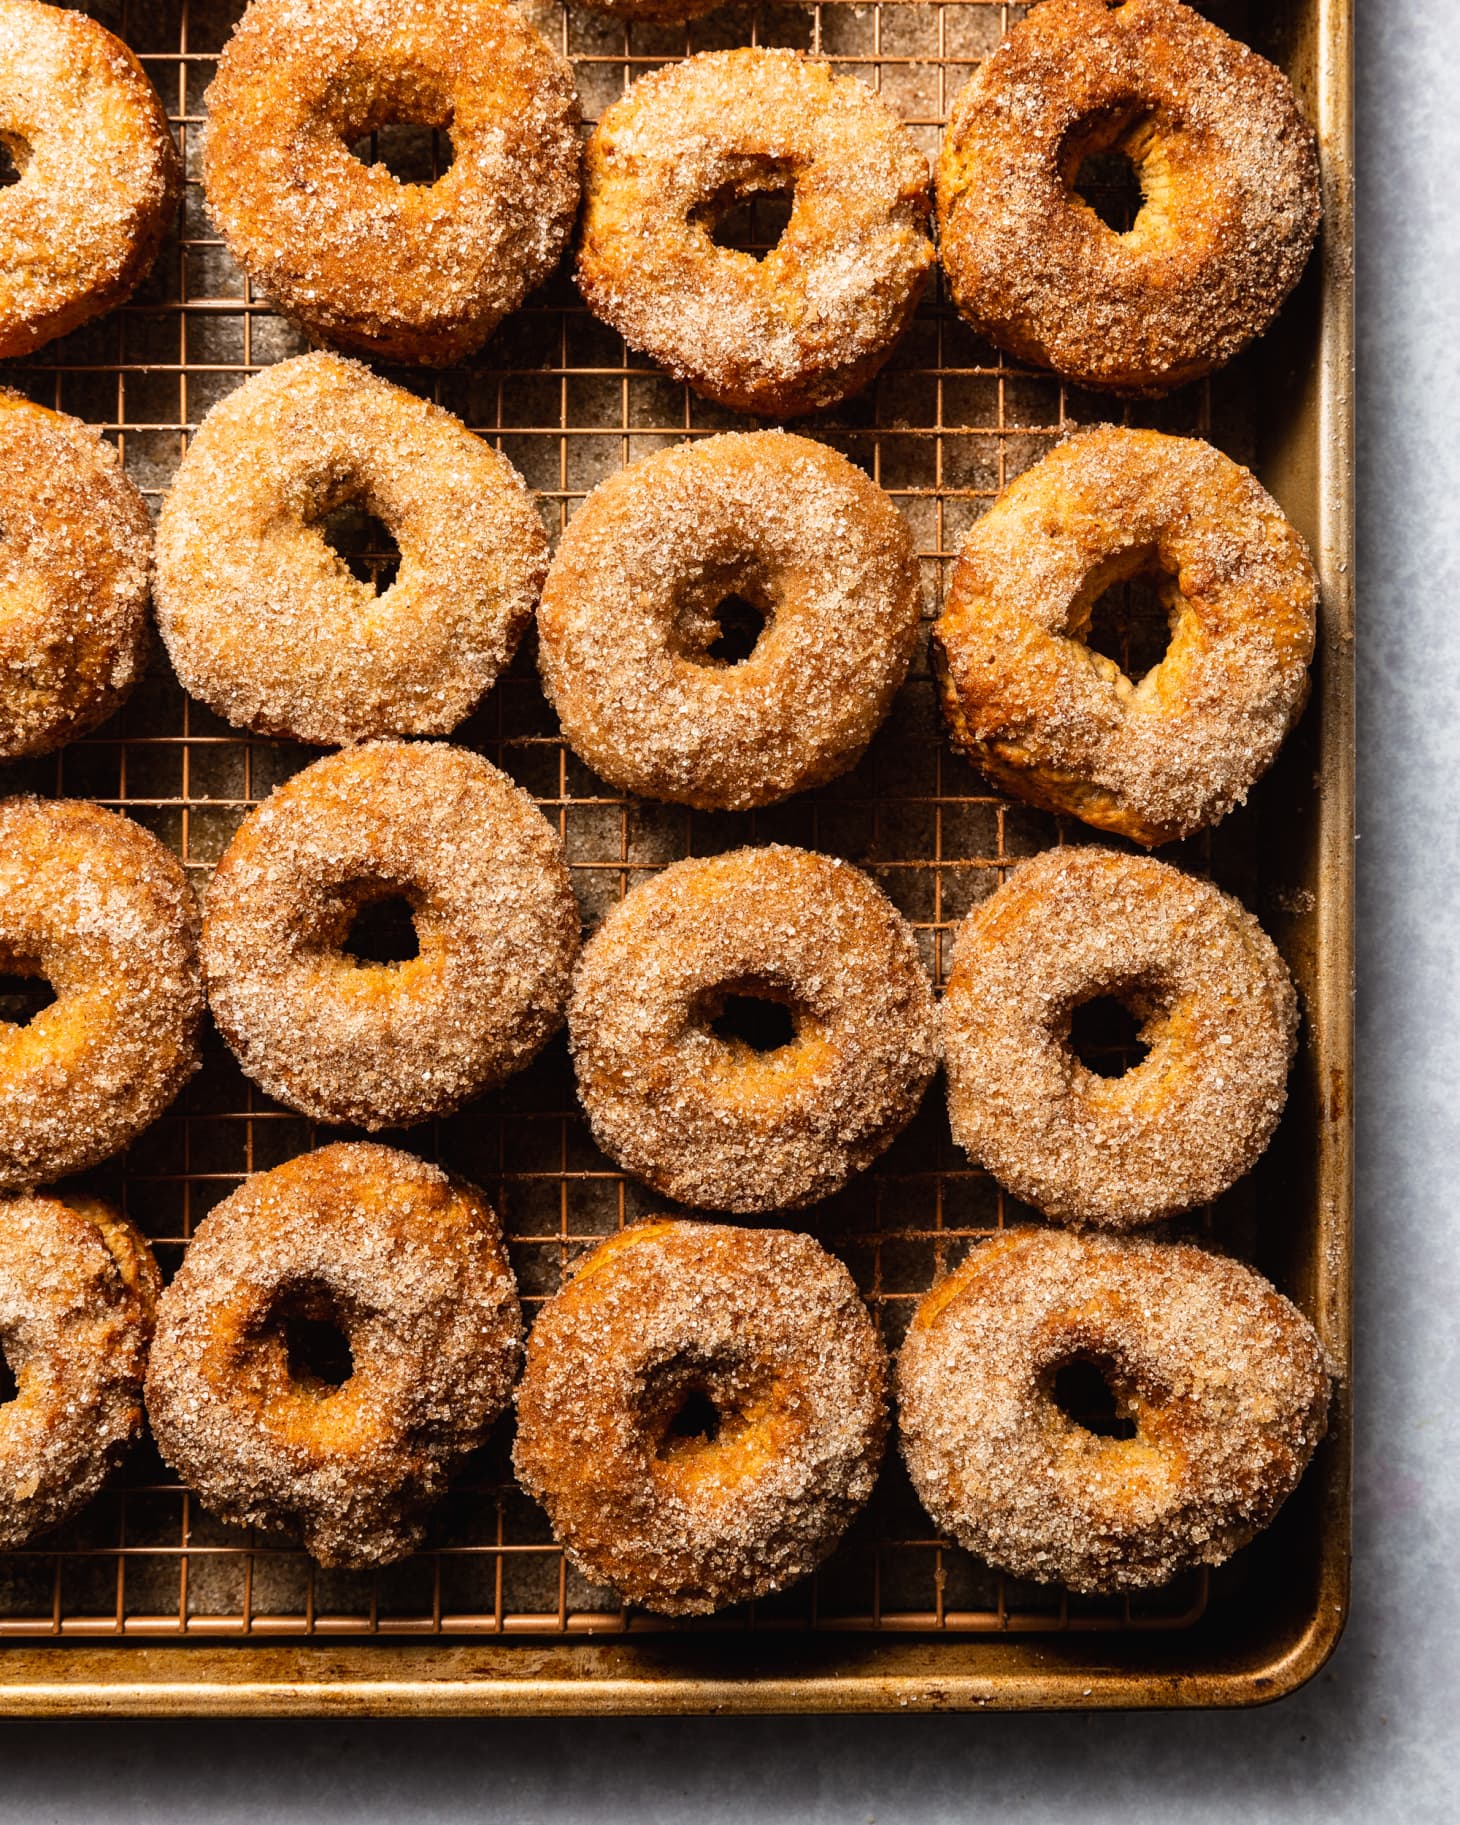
x: 706, y: 1119
x: 75, y: 544
x: 78, y: 1295
x: 409, y: 1265
x: 94, y: 904
x: 1227, y: 164
x: 1051, y: 720
x: 386, y: 1044
x: 264, y: 621
x: 409, y: 272
x: 627, y: 621
x: 813, y: 321
x: 765, y: 1327
x: 1218, y: 1015
x: 99, y: 174
x: 1225, y: 1380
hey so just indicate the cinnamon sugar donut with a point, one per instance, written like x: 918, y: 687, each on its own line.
x: 813, y: 321
x: 703, y: 1115
x: 75, y: 545
x: 342, y: 1332
x: 627, y: 627
x: 98, y: 173
x: 383, y: 1045
x: 1051, y: 720
x: 1218, y: 1015
x: 1223, y: 1381
x: 95, y: 905
x: 1228, y: 170
x: 78, y: 1294
x: 267, y: 625
x: 408, y: 272
x: 703, y: 1411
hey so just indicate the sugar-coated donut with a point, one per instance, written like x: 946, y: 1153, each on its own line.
x: 706, y: 1118
x: 408, y: 272
x: 1224, y: 1381
x: 814, y: 320
x: 382, y: 1045
x: 94, y: 904
x: 1219, y: 1018
x: 75, y: 547
x: 763, y: 1332
x: 1228, y: 169
x: 78, y: 1295
x: 403, y: 1271
x: 266, y: 623
x: 627, y: 626
x: 1055, y: 722
x: 98, y: 174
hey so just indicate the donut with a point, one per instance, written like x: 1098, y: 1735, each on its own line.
x: 78, y: 1293
x: 75, y: 547
x: 627, y: 630
x: 702, y: 1412
x: 1228, y: 170
x: 707, y: 1116
x: 1218, y: 1014
x: 1049, y: 718
x: 98, y: 174
x: 343, y: 1330
x: 813, y: 321
x: 383, y: 1045
x: 266, y: 624
x: 1220, y: 1383
x: 407, y: 272
x: 94, y: 904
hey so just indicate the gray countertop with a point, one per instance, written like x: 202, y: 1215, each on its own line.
x: 1374, y: 1736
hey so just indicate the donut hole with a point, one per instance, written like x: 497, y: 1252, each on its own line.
x: 363, y: 544
x: 382, y: 931
x: 1128, y: 611
x: 414, y: 152
x: 697, y: 1419
x: 761, y: 1017
x: 1086, y: 1390
x: 9, y: 1386
x: 14, y: 157
x: 741, y: 625
x: 316, y: 1341
x: 24, y: 993
x: 1105, y: 1035
x: 689, y: 1406
x: 750, y: 216
x: 1111, y: 163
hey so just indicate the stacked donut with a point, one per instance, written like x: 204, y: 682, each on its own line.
x: 703, y: 1407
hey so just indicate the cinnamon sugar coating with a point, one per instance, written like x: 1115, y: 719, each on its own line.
x: 1228, y: 169
x: 409, y: 1266
x: 810, y: 323
x: 407, y: 272
x: 78, y: 1296
x: 98, y: 173
x: 266, y: 624
x: 627, y: 620
x: 94, y: 904
x: 1225, y: 1381
x: 1051, y: 720
x: 706, y: 1119
x: 383, y: 1045
x: 75, y: 546
x: 1218, y: 1015
x: 765, y: 1328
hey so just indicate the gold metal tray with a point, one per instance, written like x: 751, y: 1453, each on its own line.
x: 145, y: 1603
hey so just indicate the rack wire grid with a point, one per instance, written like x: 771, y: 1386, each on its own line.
x: 947, y: 424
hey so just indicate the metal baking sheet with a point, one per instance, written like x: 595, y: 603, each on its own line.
x: 145, y: 1603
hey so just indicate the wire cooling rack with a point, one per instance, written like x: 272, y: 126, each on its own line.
x: 943, y: 429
